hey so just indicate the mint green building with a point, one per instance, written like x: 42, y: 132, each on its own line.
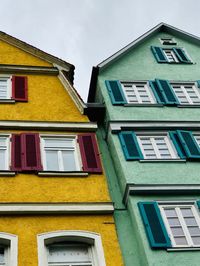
x: 146, y: 99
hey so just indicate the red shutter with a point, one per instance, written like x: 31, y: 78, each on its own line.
x: 31, y: 159
x: 16, y: 162
x: 20, y: 88
x: 89, y: 153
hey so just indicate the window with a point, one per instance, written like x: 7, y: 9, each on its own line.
x: 70, y: 254
x: 183, y: 224
x: 157, y: 147
x: 60, y: 154
x: 5, y: 87
x: 171, y: 55
x: 171, y: 224
x: 167, y: 41
x: 8, y: 249
x: 4, y: 152
x: 70, y: 248
x: 138, y: 92
x: 187, y: 93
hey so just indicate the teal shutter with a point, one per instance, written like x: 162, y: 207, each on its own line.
x: 180, y: 53
x: 167, y: 92
x: 198, y: 203
x: 130, y: 145
x: 157, y: 93
x: 159, y: 55
x: 198, y: 83
x: 154, y: 225
x: 115, y: 91
x: 189, y: 144
x: 179, y: 148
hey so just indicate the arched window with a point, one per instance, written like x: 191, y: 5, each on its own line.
x: 8, y: 249
x: 70, y: 248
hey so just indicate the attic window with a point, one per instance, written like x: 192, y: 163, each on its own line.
x: 168, y: 41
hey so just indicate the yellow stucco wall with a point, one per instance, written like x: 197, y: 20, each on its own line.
x: 47, y: 101
x: 15, y: 56
x: 28, y: 227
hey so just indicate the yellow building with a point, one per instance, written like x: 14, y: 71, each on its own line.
x: 54, y: 204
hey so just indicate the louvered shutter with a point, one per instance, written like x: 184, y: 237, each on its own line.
x: 89, y: 153
x: 16, y: 162
x: 154, y: 225
x: 178, y: 145
x: 31, y: 159
x: 20, y: 88
x: 130, y: 145
x: 198, y: 83
x: 198, y: 203
x: 167, y: 91
x: 156, y: 90
x: 189, y: 144
x: 159, y: 55
x: 115, y: 91
x: 180, y: 53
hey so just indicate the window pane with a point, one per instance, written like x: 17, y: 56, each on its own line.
x: 52, y: 160
x: 190, y: 221
x: 180, y: 240
x: 186, y: 212
x: 2, y: 256
x: 58, y: 143
x: 196, y: 240
x: 69, y: 161
x: 177, y: 231
x: 194, y: 230
x: 173, y: 221
x: 3, y: 159
x: 170, y: 212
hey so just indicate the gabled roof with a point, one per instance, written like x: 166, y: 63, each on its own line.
x: 38, y: 53
x: 162, y: 27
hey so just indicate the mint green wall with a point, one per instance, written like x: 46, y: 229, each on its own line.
x: 159, y: 257
x: 140, y: 64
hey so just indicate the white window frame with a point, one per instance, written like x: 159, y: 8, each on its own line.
x: 9, y: 86
x: 93, y: 239
x: 166, y: 51
x: 187, y: 235
x: 77, y: 154
x: 169, y: 144
x: 8, y: 151
x: 134, y: 85
x: 11, y: 248
x: 184, y: 90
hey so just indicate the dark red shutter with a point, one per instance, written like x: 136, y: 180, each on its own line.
x: 20, y: 88
x: 89, y: 153
x: 16, y: 162
x: 31, y: 159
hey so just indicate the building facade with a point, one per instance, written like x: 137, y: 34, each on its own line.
x: 55, y: 207
x: 149, y: 134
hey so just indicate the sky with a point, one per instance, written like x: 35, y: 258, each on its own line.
x: 85, y: 32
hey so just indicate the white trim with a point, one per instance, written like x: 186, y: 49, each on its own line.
x: 12, y: 242
x: 62, y: 174
x: 117, y: 126
x: 72, y: 126
x: 91, y: 238
x: 56, y: 208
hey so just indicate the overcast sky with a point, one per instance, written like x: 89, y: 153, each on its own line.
x: 85, y: 32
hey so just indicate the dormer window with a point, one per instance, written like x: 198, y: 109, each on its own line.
x: 168, y: 41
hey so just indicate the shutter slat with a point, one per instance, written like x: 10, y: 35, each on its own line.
x: 159, y: 55
x: 189, y: 144
x: 20, y: 88
x: 130, y: 145
x: 31, y: 159
x: 89, y: 153
x: 154, y: 225
x: 115, y: 91
x: 180, y: 53
x: 16, y: 162
x: 167, y: 91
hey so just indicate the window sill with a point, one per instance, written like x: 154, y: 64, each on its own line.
x: 63, y: 174
x: 7, y: 101
x: 189, y: 106
x: 7, y: 173
x: 143, y: 105
x: 183, y: 249
x: 162, y: 160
